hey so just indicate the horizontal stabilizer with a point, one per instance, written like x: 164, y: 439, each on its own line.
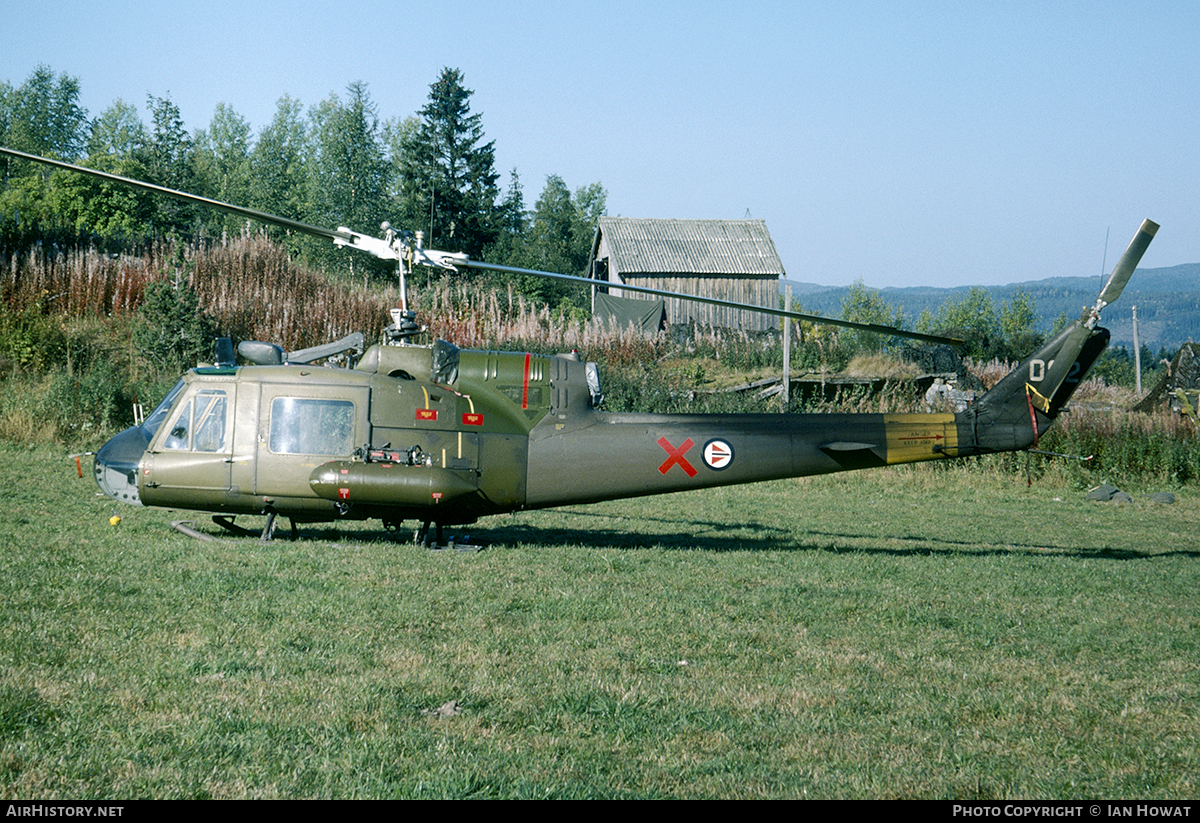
x: 850, y: 455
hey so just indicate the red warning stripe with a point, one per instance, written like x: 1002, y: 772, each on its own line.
x: 525, y: 384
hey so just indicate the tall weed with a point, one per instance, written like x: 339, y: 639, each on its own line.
x: 1162, y: 447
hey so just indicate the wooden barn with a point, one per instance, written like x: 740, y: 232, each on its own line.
x: 729, y: 259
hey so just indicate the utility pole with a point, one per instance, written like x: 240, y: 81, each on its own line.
x: 1137, y: 355
x: 787, y: 346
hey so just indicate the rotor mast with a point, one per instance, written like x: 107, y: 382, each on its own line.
x: 407, y: 249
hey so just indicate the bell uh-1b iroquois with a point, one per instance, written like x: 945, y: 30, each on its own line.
x: 441, y: 436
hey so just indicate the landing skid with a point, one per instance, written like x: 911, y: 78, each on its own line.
x: 438, y: 542
x: 268, y: 530
x: 186, y: 527
x: 433, y: 539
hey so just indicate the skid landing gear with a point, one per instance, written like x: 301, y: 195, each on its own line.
x: 268, y: 530
x: 438, y: 542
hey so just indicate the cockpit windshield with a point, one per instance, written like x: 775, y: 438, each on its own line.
x: 156, y: 418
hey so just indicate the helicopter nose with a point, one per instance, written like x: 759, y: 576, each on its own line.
x: 117, y: 465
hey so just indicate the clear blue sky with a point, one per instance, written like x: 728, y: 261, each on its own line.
x: 901, y: 143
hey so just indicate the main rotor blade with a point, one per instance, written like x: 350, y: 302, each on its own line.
x: 1128, y: 262
x: 346, y: 237
x: 716, y: 301
x: 240, y: 211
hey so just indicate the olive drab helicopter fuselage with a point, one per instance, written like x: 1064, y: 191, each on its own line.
x: 441, y: 436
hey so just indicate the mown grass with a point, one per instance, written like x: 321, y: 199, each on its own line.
x: 895, y: 634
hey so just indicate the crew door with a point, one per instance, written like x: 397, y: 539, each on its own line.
x: 188, y: 463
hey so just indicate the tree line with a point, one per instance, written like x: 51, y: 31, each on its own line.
x: 336, y: 163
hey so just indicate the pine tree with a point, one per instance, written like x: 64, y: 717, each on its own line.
x: 556, y: 236
x: 512, y: 243
x: 449, y: 181
x: 173, y: 332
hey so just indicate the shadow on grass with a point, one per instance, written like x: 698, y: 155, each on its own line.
x: 711, y: 535
x: 916, y: 545
x: 501, y: 532
x: 615, y: 531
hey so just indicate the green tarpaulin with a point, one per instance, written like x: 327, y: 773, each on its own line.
x: 647, y: 315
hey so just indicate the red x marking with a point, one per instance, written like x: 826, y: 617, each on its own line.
x: 675, y: 456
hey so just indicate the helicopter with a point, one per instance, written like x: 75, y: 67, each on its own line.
x: 443, y: 436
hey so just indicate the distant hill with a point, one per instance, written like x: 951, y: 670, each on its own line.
x: 1167, y: 300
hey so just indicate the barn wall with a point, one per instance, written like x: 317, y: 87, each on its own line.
x: 756, y: 291
x: 721, y: 259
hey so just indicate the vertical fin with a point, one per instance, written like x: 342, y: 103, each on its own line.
x: 1026, y: 401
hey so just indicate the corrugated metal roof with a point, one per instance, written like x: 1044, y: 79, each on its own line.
x: 693, y: 246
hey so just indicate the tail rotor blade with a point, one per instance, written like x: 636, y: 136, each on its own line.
x: 1125, y: 266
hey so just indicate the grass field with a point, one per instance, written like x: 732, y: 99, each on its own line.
x: 906, y: 633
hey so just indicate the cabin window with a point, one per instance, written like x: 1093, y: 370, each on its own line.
x: 303, y: 426
x: 200, y: 424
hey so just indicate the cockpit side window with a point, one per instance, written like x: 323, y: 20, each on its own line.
x: 200, y: 423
